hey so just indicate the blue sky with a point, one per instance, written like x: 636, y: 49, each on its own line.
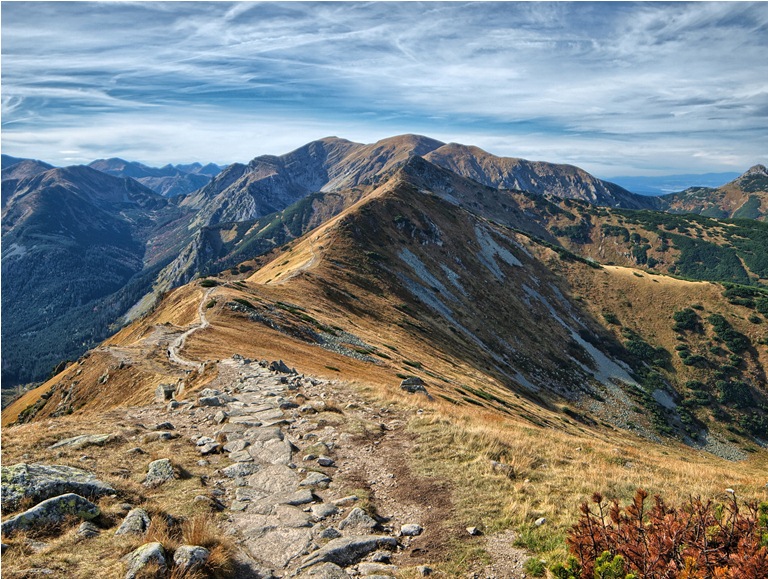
x: 616, y: 88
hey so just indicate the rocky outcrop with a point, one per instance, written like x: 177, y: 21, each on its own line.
x: 146, y: 555
x: 51, y: 512
x: 136, y: 522
x: 37, y: 482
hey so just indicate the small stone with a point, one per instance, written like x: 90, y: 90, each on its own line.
x: 236, y: 445
x: 210, y: 401
x: 135, y: 450
x: 203, y: 440
x: 540, y: 521
x: 238, y: 505
x: 329, y: 533
x: 358, y: 520
x: 381, y: 557
x: 210, y: 448
x: 88, y: 530
x: 241, y: 456
x: 203, y: 462
x: 474, y: 531
x: 173, y: 405
x: 150, y: 553
x: 411, y: 530
x: 380, y: 569
x: 189, y: 557
x: 345, y: 501
x: 163, y: 426
x: 325, y: 461
x: 315, y: 479
x: 136, y: 522
x: 159, y: 471
x: 413, y: 385
x: 240, y: 469
x: 164, y: 392
x: 324, y: 510
x: 309, y: 457
x: 424, y: 570
x: 220, y: 417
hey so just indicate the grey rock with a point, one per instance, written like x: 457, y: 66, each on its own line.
x: 376, y: 569
x: 88, y: 530
x: 163, y: 426
x: 236, y: 445
x: 323, y: 511
x: 149, y: 553
x: 238, y: 506
x: 210, y: 401
x: 159, y: 471
x: 349, y: 550
x: 173, y: 405
x: 136, y: 522
x: 210, y: 448
x: 329, y: 533
x: 240, y: 456
x: 381, y: 557
x: 324, y: 571
x: 51, y: 511
x: 38, y: 482
x: 325, y: 461
x: 278, y: 545
x: 413, y: 385
x: 506, y: 469
x: 474, y: 531
x: 78, y: 442
x: 424, y: 570
x: 203, y: 440
x: 314, y: 479
x: 345, y: 501
x: 540, y: 521
x: 159, y: 435
x: 280, y: 366
x: 358, y: 521
x: 190, y: 557
x: 240, y: 469
x: 411, y: 530
x: 220, y: 417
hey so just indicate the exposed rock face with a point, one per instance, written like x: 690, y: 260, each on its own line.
x: 77, y: 442
x: 349, y: 550
x: 51, y: 512
x: 38, y: 482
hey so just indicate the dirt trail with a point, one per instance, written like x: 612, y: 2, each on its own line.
x: 178, y: 343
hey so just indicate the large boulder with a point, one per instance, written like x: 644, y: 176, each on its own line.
x: 51, y: 512
x: 159, y: 471
x: 190, y: 557
x: 147, y: 554
x: 78, y: 442
x: 38, y: 482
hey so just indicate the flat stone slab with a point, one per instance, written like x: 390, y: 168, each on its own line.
x: 51, y: 512
x: 280, y: 546
x: 272, y: 451
x: 77, y: 442
x: 324, y: 571
x: 349, y: 550
x: 274, y: 479
x: 38, y: 482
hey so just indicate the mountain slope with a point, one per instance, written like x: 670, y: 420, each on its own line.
x: 76, y: 250
x: 745, y: 197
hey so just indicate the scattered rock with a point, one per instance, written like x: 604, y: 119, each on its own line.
x: 78, y: 442
x: 376, y: 569
x: 329, y: 533
x: 135, y: 450
x: 38, y: 482
x: 189, y: 557
x: 325, y: 571
x: 210, y: 401
x: 414, y: 385
x: 345, y: 501
x: 163, y: 426
x: 150, y: 553
x: 155, y: 436
x: 381, y: 557
x: 349, y: 550
x: 314, y: 479
x: 210, y: 448
x: 240, y: 469
x: 357, y: 520
x: 88, y: 530
x: 220, y: 417
x: 424, y: 570
x: 411, y: 530
x: 474, y: 531
x: 323, y: 511
x: 236, y: 445
x: 159, y: 471
x: 51, y: 511
x: 280, y: 366
x: 540, y: 521
x: 136, y: 522
x: 325, y: 461
x: 506, y: 469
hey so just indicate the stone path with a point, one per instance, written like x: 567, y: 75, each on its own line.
x: 277, y: 481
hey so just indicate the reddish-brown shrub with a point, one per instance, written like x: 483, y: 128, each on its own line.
x: 697, y: 540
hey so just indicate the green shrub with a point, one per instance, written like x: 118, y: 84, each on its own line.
x: 686, y: 319
x: 208, y: 283
x: 534, y: 567
x: 735, y: 341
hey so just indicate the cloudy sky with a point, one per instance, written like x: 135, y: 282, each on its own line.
x: 616, y: 88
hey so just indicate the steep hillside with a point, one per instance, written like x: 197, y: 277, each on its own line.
x: 745, y: 198
x: 168, y: 181
x: 18, y: 170
x: 79, y: 247
x: 535, y: 177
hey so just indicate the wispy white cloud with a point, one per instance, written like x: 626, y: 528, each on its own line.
x: 635, y: 87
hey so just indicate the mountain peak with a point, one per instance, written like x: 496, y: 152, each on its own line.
x: 756, y: 170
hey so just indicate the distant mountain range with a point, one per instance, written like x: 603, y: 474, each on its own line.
x: 88, y: 249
